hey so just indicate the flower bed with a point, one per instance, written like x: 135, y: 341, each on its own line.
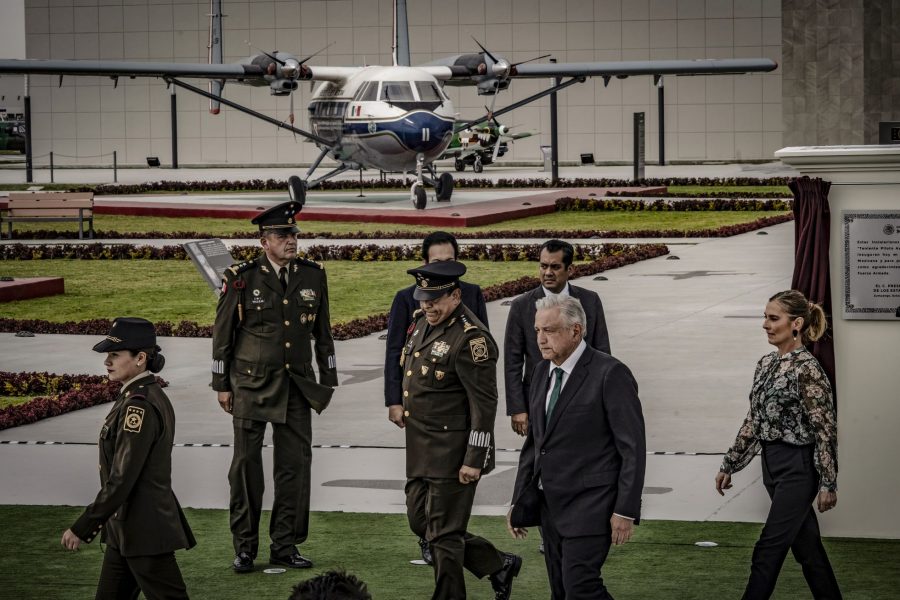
x: 605, y: 257
x: 263, y: 185
x: 57, y: 395
x: 674, y: 204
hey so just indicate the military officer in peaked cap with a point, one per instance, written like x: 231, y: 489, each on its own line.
x: 136, y: 512
x: 449, y: 365
x: 263, y: 373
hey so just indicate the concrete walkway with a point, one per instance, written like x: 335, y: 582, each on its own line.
x: 689, y: 329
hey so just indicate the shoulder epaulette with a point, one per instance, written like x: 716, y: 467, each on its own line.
x: 466, y: 323
x: 310, y: 263
x: 238, y: 268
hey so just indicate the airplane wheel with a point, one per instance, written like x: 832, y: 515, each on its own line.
x: 297, y: 189
x: 444, y: 188
x: 478, y: 167
x: 459, y: 165
x: 421, y: 198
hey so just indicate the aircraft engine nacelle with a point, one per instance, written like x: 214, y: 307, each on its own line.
x: 282, y: 87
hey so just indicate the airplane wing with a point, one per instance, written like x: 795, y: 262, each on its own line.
x: 258, y: 70
x: 491, y: 73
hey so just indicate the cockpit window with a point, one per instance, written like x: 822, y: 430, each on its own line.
x: 368, y: 92
x: 428, y: 92
x: 396, y: 91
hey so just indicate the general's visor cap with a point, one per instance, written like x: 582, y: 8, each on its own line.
x: 281, y: 218
x: 437, y: 278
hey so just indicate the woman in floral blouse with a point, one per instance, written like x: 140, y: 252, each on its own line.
x: 792, y: 420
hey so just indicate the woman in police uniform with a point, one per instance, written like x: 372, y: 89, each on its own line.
x: 136, y: 512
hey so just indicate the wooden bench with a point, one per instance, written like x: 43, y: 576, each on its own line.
x: 51, y: 206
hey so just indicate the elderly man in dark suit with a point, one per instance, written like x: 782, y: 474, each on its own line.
x: 581, y: 470
x: 520, y: 350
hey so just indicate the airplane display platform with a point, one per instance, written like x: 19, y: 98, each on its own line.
x: 467, y: 208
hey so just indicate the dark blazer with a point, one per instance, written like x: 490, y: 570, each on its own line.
x: 400, y: 317
x: 520, y: 350
x: 136, y: 509
x: 449, y: 396
x: 590, y: 457
x: 261, y: 338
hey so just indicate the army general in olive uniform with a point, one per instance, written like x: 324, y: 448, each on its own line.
x: 449, y: 364
x: 262, y: 370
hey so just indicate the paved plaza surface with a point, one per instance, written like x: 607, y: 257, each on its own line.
x: 690, y: 329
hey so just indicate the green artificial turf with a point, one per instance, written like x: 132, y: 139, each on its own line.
x: 560, y: 221
x: 172, y: 290
x: 661, y: 561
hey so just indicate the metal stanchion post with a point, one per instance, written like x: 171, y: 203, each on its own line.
x: 115, y: 168
x: 52, y: 180
x: 361, y: 195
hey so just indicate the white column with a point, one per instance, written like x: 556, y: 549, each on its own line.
x: 867, y: 353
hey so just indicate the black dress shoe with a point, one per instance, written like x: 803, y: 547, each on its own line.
x: 242, y: 563
x: 502, y: 580
x: 292, y: 561
x: 426, y: 551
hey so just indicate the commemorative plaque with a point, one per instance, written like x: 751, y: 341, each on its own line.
x: 871, y: 264
x: 211, y: 258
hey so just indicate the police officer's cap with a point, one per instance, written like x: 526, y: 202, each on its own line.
x: 128, y: 333
x: 280, y: 218
x: 437, y: 278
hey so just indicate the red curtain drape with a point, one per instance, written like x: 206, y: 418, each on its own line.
x: 812, y: 228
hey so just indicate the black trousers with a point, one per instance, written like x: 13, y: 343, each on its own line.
x: 292, y: 459
x: 790, y: 477
x: 438, y: 510
x: 124, y: 578
x: 574, y: 563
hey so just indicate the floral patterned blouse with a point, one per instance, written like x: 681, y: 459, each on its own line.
x: 791, y: 402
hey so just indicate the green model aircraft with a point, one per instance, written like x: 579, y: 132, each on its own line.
x: 481, y: 144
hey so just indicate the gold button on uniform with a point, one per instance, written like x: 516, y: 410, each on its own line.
x: 287, y: 344
x: 416, y: 355
x: 285, y: 301
x: 287, y: 323
x: 409, y: 373
x: 287, y: 366
x: 405, y: 394
x: 405, y: 413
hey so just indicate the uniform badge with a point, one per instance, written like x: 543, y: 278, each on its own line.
x: 303, y: 318
x: 264, y: 268
x: 307, y: 295
x: 478, y: 348
x: 256, y: 293
x: 312, y: 317
x: 134, y: 418
x: 440, y: 349
x: 439, y: 375
x: 424, y: 370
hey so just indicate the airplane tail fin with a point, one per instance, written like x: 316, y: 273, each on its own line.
x: 215, y: 51
x: 401, y: 35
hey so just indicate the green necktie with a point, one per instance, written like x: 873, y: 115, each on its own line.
x: 554, y: 395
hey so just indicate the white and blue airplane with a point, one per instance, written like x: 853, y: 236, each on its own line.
x: 392, y: 118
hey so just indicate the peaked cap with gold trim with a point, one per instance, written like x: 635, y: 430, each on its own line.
x: 279, y: 218
x: 128, y: 333
x: 437, y: 278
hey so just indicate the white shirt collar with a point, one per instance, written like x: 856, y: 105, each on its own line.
x: 569, y: 364
x: 564, y: 292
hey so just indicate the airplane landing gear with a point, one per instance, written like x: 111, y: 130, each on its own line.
x: 419, y: 196
x: 417, y: 192
x: 297, y: 189
x: 459, y: 165
x: 444, y: 187
x: 478, y: 167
